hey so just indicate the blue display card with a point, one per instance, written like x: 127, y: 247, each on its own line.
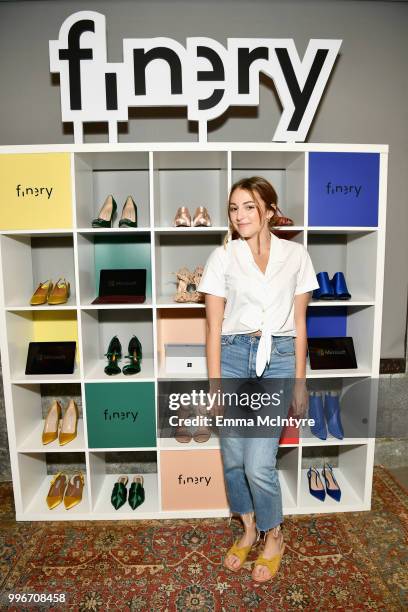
x: 343, y: 189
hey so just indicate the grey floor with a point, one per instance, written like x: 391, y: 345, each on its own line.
x: 401, y: 474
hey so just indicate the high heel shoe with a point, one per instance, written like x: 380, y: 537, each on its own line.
x: 201, y: 217
x: 56, y: 491
x: 60, y: 292
x: 135, y: 356
x: 316, y: 488
x: 196, y: 296
x: 73, y: 493
x: 182, y: 218
x: 183, y: 280
x: 40, y: 295
x: 316, y: 413
x: 339, y: 287
x: 129, y: 214
x: 114, y: 354
x: 325, y: 290
x: 119, y: 492
x: 332, y: 487
x: 106, y: 213
x: 332, y: 413
x: 50, y: 431
x: 136, y: 492
x: 69, y: 425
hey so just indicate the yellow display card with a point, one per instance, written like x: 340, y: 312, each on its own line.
x: 57, y: 326
x: 35, y: 191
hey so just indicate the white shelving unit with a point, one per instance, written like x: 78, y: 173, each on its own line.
x: 161, y: 177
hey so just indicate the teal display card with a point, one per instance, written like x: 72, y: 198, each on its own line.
x: 120, y: 415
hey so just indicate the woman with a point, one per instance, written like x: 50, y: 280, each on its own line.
x: 257, y: 290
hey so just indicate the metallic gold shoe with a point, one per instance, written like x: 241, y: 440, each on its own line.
x: 56, y: 490
x: 182, y: 218
x: 73, y: 493
x: 69, y: 425
x: 201, y: 217
x: 50, y: 431
x: 40, y: 295
x: 60, y: 293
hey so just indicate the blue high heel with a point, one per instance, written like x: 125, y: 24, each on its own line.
x: 325, y: 290
x: 340, y: 290
x: 320, y: 494
x: 332, y: 413
x: 334, y: 492
x: 316, y: 413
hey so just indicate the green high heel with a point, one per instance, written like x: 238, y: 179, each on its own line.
x: 135, y: 356
x: 114, y: 354
x: 136, y: 492
x: 129, y: 214
x: 106, y: 213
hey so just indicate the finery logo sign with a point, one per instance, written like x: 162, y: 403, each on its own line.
x: 203, y: 75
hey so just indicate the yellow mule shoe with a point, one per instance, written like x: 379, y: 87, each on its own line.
x: 56, y: 490
x: 50, y: 431
x: 41, y: 294
x: 272, y: 564
x: 242, y: 554
x: 60, y: 293
x: 73, y: 494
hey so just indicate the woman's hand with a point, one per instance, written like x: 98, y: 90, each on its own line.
x: 300, y: 398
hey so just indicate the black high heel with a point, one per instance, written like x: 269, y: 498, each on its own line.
x: 129, y: 214
x: 135, y: 356
x: 114, y: 354
x: 106, y: 214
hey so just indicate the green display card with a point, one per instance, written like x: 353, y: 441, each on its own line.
x: 120, y: 414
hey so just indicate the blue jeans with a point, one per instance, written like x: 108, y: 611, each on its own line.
x: 250, y: 473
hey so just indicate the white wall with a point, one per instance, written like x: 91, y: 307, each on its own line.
x: 365, y: 102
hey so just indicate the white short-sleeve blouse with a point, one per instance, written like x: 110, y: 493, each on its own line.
x: 257, y: 301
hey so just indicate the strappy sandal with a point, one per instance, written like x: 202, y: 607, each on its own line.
x: 196, y: 276
x: 272, y: 564
x: 183, y: 279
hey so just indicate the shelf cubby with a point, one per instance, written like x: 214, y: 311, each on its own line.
x: 31, y: 404
x: 104, y: 474
x: 35, y: 191
x: 28, y: 326
x: 190, y: 179
x: 184, y: 325
x: 99, y: 327
x: 340, y: 321
x: 350, y: 252
x: 98, y: 251
x: 350, y: 470
x: 286, y: 172
x: 98, y: 175
x: 35, y: 480
x: 358, y: 407
x: 173, y: 252
x: 121, y: 416
x: 30, y: 259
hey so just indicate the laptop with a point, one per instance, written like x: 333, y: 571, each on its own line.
x: 122, y: 287
x: 331, y: 353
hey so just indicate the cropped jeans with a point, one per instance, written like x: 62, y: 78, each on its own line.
x: 250, y: 473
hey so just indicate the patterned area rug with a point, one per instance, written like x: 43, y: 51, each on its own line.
x: 347, y: 562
